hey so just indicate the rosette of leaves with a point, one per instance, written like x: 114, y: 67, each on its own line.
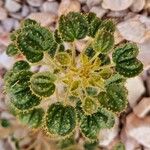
x: 125, y: 59
x: 32, y: 40
x: 78, y: 90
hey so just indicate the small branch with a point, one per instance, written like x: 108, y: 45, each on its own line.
x: 73, y: 53
x: 50, y: 62
x: 94, y: 57
x: 107, y: 66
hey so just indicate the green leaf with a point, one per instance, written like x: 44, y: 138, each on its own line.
x: 29, y: 22
x: 63, y: 58
x: 33, y: 57
x: 109, y: 25
x: 129, y: 68
x: 115, y: 78
x: 119, y: 146
x: 75, y: 84
x: 115, y: 97
x: 73, y: 26
x: 11, y: 50
x: 90, y: 105
x: 42, y: 83
x: 17, y: 81
x: 126, y: 62
x: 5, y: 123
x: 66, y: 143
x: 105, y: 73
x: 33, y: 40
x: 57, y: 36
x: 33, y: 118
x: 125, y: 52
x: 103, y: 42
x: 91, y: 124
x: 91, y: 146
x: 52, y: 51
x: 21, y: 65
x: 60, y: 119
x: 25, y: 99
x: 17, y: 85
x: 105, y: 59
x: 90, y: 52
x: 94, y: 24
x: 92, y: 91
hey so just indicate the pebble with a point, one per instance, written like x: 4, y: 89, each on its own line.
x: 137, y: 5
x: 35, y: 3
x: 6, y: 61
x: 3, y: 14
x: 146, y: 78
x: 134, y: 92
x: 116, y: 5
x: 8, y: 24
x: 145, y: 20
x: 117, y: 13
x: 138, y: 129
x: 129, y: 142
x: 16, y: 15
x: 147, y: 6
x: 118, y: 37
x: 142, y: 108
x: 25, y: 11
x: 106, y: 136
x: 67, y: 6
x: 91, y: 3
x: 135, y: 27
x: 4, y: 40
x: 144, y: 53
x: 80, y: 45
x: 44, y: 18
x: 50, y: 7
x: 12, y: 6
x: 1, y: 3
x: 99, y: 11
x: 85, y: 8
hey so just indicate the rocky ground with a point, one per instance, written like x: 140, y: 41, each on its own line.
x: 133, y: 24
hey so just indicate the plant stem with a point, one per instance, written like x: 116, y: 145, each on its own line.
x: 73, y: 53
x: 50, y: 62
x: 107, y: 66
x: 94, y: 57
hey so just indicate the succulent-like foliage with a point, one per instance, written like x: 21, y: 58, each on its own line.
x: 91, y: 124
x: 119, y: 146
x: 42, y: 84
x: 5, y: 123
x: 73, y: 26
x: 103, y: 42
x: 80, y: 90
x: 21, y: 65
x: 115, y: 97
x: 11, y: 50
x: 60, y: 120
x: 91, y: 146
x: 32, y: 40
x: 32, y: 118
x: 126, y: 62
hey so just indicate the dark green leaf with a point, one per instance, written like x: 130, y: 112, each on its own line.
x: 60, y: 120
x: 73, y: 26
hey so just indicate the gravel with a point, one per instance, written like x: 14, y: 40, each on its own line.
x: 133, y: 24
